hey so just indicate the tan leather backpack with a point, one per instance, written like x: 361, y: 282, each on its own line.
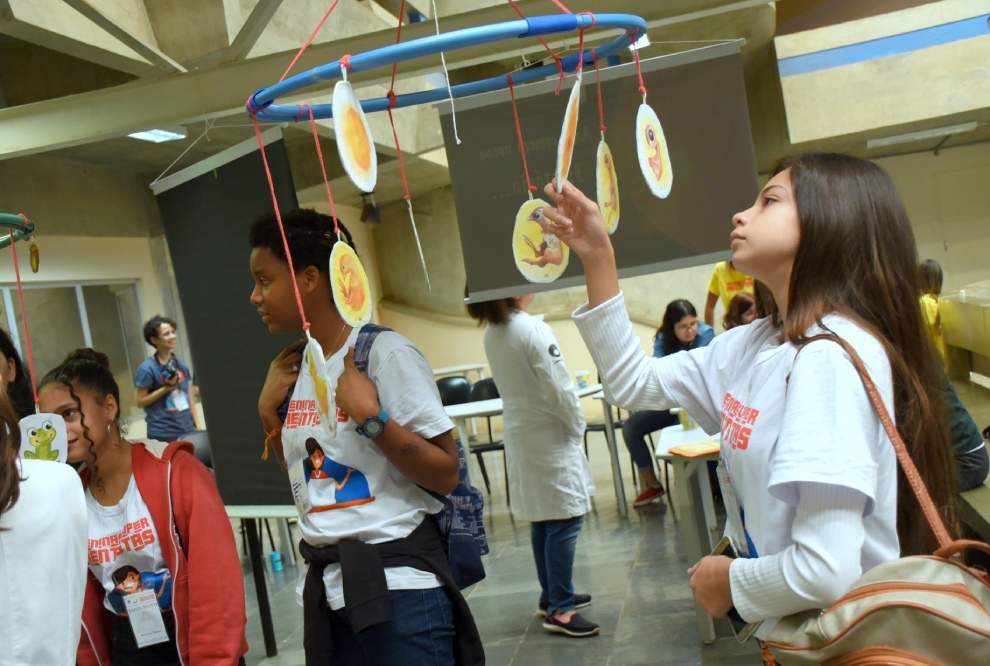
x: 913, y: 611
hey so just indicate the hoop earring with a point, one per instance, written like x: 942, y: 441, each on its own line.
x: 110, y: 434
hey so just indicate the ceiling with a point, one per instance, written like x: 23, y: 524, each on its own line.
x: 76, y: 99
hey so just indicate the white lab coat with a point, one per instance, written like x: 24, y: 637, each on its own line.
x: 549, y: 475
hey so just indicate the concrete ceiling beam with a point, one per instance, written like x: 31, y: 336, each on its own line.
x: 54, y: 25
x: 125, y: 36
x: 249, y: 33
x: 188, y: 29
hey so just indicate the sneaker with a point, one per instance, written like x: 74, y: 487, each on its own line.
x: 580, y: 601
x: 648, y: 496
x: 578, y: 627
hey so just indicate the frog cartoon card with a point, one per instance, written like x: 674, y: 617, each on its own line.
x: 44, y: 437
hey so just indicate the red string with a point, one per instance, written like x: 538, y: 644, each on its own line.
x: 639, y: 73
x: 278, y: 217
x: 319, y: 153
x: 345, y: 63
x: 391, y: 105
x: 522, y: 148
x: 556, y: 58
x: 20, y: 296
x: 580, y: 64
x: 307, y: 43
x: 598, y: 80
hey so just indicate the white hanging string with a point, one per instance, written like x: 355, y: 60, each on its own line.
x: 206, y: 132
x: 419, y: 245
x: 446, y: 77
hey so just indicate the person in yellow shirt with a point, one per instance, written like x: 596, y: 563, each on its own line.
x: 930, y: 279
x: 726, y: 282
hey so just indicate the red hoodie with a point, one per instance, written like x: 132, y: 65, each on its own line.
x: 207, y: 587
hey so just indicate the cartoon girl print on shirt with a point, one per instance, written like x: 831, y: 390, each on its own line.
x: 332, y: 485
x: 128, y: 580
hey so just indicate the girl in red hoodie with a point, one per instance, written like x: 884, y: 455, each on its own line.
x: 165, y: 584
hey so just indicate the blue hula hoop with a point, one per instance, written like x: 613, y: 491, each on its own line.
x: 262, y: 103
x: 20, y: 229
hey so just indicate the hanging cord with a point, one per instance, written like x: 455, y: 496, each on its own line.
x: 639, y: 72
x: 281, y: 229
x: 530, y: 188
x: 556, y: 58
x: 398, y: 149
x: 308, y: 41
x: 20, y: 296
x: 446, y: 75
x: 601, y: 110
x: 326, y: 182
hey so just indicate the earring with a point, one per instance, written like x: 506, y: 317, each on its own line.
x: 110, y: 434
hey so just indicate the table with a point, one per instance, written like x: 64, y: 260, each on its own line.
x: 251, y: 513
x: 613, y: 451
x: 460, y: 414
x: 692, y: 489
x: 461, y: 370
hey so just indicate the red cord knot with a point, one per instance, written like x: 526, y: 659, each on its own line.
x: 346, y: 63
x: 592, y: 15
x: 300, y: 114
x: 391, y: 100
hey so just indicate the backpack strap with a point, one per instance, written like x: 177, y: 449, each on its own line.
x: 903, y: 457
x: 362, y: 348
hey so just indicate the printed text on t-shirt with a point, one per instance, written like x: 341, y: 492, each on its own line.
x: 737, y: 420
x: 302, y: 413
x: 135, y: 536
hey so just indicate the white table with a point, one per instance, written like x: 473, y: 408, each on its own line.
x: 251, y: 513
x: 613, y: 451
x: 460, y: 414
x: 692, y: 489
x: 462, y: 370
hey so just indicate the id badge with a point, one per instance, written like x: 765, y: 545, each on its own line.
x: 146, y: 618
x: 299, y: 487
x: 733, y: 515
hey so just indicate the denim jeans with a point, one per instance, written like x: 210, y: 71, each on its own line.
x: 422, y: 632
x: 554, y: 543
x: 637, y: 427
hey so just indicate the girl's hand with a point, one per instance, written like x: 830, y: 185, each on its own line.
x: 356, y: 393
x: 282, y: 374
x: 577, y: 222
x: 710, y: 584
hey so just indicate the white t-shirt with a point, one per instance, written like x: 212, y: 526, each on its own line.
x: 818, y: 433
x: 124, y: 551
x: 355, y: 491
x: 819, y: 427
x: 43, y: 567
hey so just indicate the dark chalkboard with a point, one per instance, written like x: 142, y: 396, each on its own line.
x: 207, y: 210
x: 700, y: 99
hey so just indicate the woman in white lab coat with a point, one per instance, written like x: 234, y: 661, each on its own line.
x: 549, y: 476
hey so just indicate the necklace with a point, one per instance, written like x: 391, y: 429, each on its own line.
x: 333, y: 348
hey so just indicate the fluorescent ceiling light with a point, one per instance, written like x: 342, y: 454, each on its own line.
x: 160, y: 135
x: 921, y: 135
x: 640, y: 43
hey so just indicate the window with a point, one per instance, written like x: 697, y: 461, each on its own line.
x: 61, y: 318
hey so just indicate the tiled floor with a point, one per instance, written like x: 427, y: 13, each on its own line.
x: 634, y: 567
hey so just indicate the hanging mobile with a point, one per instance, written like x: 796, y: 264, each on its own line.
x: 651, y: 145
x: 354, y: 142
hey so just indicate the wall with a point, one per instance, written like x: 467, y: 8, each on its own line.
x: 948, y: 200
x: 84, y: 259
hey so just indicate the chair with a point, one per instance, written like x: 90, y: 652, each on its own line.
x: 618, y: 423
x: 454, y: 390
x: 485, y: 389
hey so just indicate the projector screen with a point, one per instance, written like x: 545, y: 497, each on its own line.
x: 700, y: 99
x: 207, y: 209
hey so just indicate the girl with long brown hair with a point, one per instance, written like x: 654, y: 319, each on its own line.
x: 811, y: 467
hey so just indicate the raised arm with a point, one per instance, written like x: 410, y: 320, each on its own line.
x: 578, y: 223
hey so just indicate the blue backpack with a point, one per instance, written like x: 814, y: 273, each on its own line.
x: 459, y: 522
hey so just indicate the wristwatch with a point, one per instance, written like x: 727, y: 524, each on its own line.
x: 373, y: 426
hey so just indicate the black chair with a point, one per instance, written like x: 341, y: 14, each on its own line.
x: 485, y: 389
x: 454, y: 390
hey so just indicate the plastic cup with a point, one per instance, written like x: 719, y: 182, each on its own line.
x: 276, y: 560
